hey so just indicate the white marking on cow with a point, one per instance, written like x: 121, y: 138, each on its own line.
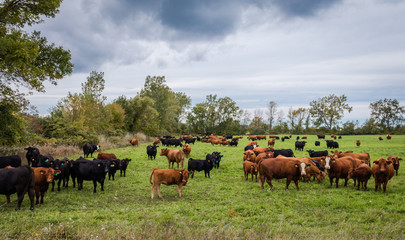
x: 327, y: 160
x: 303, y: 169
x: 98, y: 147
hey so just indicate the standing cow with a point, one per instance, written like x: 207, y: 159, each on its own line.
x: 151, y: 151
x: 168, y: 177
x: 173, y: 156
x: 43, y: 177
x: 89, y: 149
x: 383, y: 171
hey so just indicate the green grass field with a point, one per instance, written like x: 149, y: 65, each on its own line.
x: 224, y: 206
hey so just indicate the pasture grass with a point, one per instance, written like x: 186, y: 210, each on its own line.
x: 224, y: 206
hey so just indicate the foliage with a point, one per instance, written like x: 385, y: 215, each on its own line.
x: 388, y: 113
x: 329, y: 110
x: 271, y: 113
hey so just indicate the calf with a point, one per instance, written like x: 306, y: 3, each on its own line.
x: 250, y: 167
x: 380, y: 138
x: 64, y: 167
x: 271, y: 142
x: 20, y: 180
x: 362, y: 174
x: 395, y: 162
x: 383, y: 171
x: 113, y: 166
x: 12, y: 160
x: 95, y: 171
x: 249, y: 155
x: 89, y: 149
x: 200, y: 165
x: 123, y: 166
x: 43, y: 176
x: 32, y: 156
x: 186, y: 149
x: 173, y: 156
x: 168, y: 177
x: 151, y: 151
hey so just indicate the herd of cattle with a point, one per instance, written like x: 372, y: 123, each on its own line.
x: 268, y: 162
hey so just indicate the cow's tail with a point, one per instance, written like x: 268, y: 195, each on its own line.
x: 150, y: 179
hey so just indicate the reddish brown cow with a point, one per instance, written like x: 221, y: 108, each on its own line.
x: 272, y: 136
x: 258, y: 150
x: 339, y: 168
x: 215, y: 142
x: 43, y: 176
x: 168, y: 177
x: 380, y: 138
x: 395, y: 162
x: 187, y: 149
x: 250, y: 167
x: 249, y: 155
x: 261, y: 137
x: 362, y: 174
x: 173, y: 156
x: 277, y: 168
x: 304, y: 137
x: 358, y: 143
x: 365, y: 157
x: 388, y: 136
x: 383, y: 171
x: 271, y: 142
x: 253, y: 138
x: 252, y: 143
x: 263, y: 155
x: 311, y: 169
x: 156, y: 142
x: 106, y: 156
x: 134, y: 142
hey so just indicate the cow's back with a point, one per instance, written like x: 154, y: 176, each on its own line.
x: 279, y: 167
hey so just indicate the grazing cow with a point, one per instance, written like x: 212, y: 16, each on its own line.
x: 317, y: 143
x: 88, y: 170
x: 312, y: 170
x: 270, y: 168
x: 299, y: 145
x: 233, y: 143
x: 199, y: 165
x: 332, y: 144
x: 250, y: 167
x: 271, y: 142
x: 189, y: 140
x: 32, y: 156
x: 20, y: 180
x: 304, y: 137
x: 364, y: 157
x: 113, y: 166
x: 151, y: 151
x: 318, y: 165
x: 168, y: 177
x: 388, y: 137
x: 362, y: 174
x: 383, y: 171
x: 89, y: 149
x: 12, y: 160
x: 156, y: 142
x: 249, y: 155
x: 64, y: 167
x: 321, y: 136
x: 123, y: 164
x: 133, y: 142
x: 395, y: 162
x: 313, y: 154
x: 339, y: 168
x: 380, y: 138
x: 321, y: 161
x: 272, y: 136
x: 252, y: 138
x: 174, y: 142
x: 173, y: 156
x: 358, y: 143
x: 284, y: 152
x: 186, y: 149
x: 106, y: 156
x: 43, y: 176
x: 261, y: 137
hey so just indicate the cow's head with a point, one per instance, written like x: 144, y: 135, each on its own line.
x: 335, y: 153
x: 329, y: 160
x: 249, y: 155
x: 49, y: 174
x: 163, y: 151
x: 185, y: 175
x: 382, y: 164
x: 255, y: 168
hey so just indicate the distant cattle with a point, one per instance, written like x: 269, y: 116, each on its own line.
x: 250, y: 167
x: 299, y: 145
x: 380, y: 138
x: 32, y: 156
x: 304, y: 137
x: 270, y: 168
x: 332, y: 144
x: 173, y: 156
x: 88, y: 170
x: 151, y: 151
x: 395, y: 162
x: 133, y: 142
x: 189, y: 140
x: 200, y: 165
x: 233, y: 143
x: 252, y: 143
x: 361, y: 174
x: 43, y: 176
x: 12, y: 160
x: 261, y: 137
x: 271, y: 142
x: 358, y: 143
x: 383, y: 171
x: 123, y: 164
x: 317, y: 143
x: 156, y: 142
x: 168, y: 177
x: 106, y: 156
x: 20, y: 180
x: 186, y: 149
x: 173, y: 142
x: 89, y: 149
x: 321, y: 136
x: 284, y: 152
x: 312, y: 153
x: 388, y: 137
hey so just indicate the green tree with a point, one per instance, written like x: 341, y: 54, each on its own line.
x: 329, y: 110
x: 388, y: 113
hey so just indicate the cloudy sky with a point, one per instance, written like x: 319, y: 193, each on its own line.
x: 253, y: 51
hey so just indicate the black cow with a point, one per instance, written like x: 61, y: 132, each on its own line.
x: 284, y: 152
x: 277, y: 138
x: 233, y: 143
x: 189, y: 140
x: 332, y: 144
x: 321, y: 136
x: 123, y: 166
x: 228, y: 136
x: 249, y: 148
x: 88, y: 170
x: 113, y: 166
x: 312, y: 153
x: 18, y: 180
x: 335, y: 144
x: 174, y: 142
x: 64, y: 167
x: 317, y: 143
x: 32, y: 156
x: 215, y: 157
x: 299, y: 145
x: 318, y: 165
x: 199, y: 165
x: 298, y: 138
x: 89, y: 149
x: 151, y: 151
x: 46, y: 161
x: 12, y: 160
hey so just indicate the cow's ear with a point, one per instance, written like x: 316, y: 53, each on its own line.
x: 389, y: 162
x: 399, y: 158
x: 376, y: 162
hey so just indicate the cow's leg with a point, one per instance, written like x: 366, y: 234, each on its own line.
x: 59, y: 182
x: 158, y: 191
x: 252, y: 176
x: 256, y: 176
x: 102, y: 184
x: 152, y: 193
x: 346, y: 179
x: 261, y: 180
x: 42, y: 197
x: 246, y: 175
x: 37, y: 197
x: 31, y: 193
x: 331, y: 180
x: 20, y: 199
x: 337, y: 182
x: 296, y: 184
x: 180, y: 189
x: 95, y: 186
x: 376, y: 184
x: 270, y: 184
x: 385, y: 185
x: 358, y: 185
x: 365, y: 185
x: 288, y: 181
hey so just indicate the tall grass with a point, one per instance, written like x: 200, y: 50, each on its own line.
x: 224, y: 206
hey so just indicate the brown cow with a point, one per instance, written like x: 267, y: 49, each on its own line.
x: 395, y: 162
x: 271, y: 142
x: 278, y: 168
x: 339, y: 168
x: 250, y: 167
x: 263, y: 155
x: 252, y: 143
x: 261, y: 137
x: 173, y: 155
x: 168, y: 177
x: 258, y: 150
x: 253, y: 138
x: 304, y: 137
x: 272, y: 136
x: 134, y: 142
x: 311, y: 169
x: 249, y: 155
x: 358, y: 143
x: 362, y: 174
x: 106, y: 156
x: 156, y: 142
x: 383, y: 171
x: 43, y: 176
x: 365, y: 157
x: 186, y: 149
x: 215, y: 142
x: 388, y: 136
